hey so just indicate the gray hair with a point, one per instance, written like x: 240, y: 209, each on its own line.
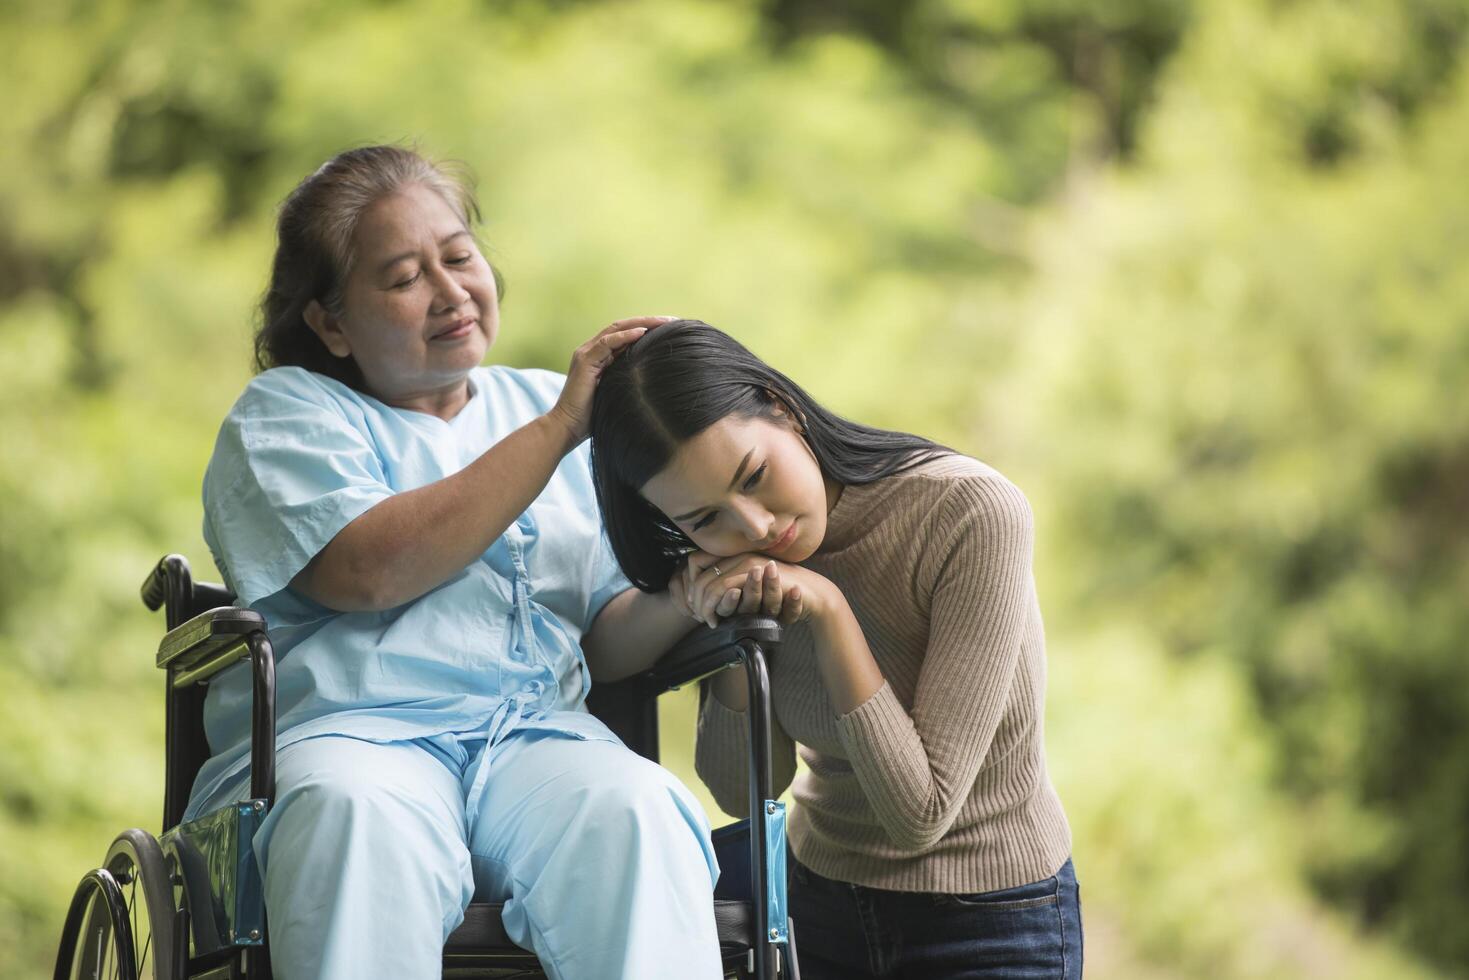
x: 314, y: 246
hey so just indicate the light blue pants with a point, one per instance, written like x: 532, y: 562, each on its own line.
x: 372, y: 851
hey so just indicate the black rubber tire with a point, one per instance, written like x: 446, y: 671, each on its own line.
x: 97, y: 941
x: 136, y: 861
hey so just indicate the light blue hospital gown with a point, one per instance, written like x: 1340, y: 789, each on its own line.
x: 440, y: 749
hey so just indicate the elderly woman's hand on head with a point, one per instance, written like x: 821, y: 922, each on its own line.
x: 574, y: 408
x: 415, y: 540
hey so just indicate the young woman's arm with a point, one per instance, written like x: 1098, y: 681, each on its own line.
x: 722, y: 751
x: 917, y: 769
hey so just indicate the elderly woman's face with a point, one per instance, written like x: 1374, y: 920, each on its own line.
x: 419, y: 308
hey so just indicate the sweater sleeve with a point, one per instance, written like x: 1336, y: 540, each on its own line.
x: 722, y: 754
x: 918, y: 770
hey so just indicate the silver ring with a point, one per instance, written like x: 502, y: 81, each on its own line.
x: 716, y: 570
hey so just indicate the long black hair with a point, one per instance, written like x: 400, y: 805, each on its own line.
x: 675, y: 382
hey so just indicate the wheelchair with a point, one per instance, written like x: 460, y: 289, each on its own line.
x: 189, y: 905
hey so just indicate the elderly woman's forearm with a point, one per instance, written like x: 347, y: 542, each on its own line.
x: 631, y: 632
x: 414, y: 541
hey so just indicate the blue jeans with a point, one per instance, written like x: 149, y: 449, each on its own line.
x: 849, y: 932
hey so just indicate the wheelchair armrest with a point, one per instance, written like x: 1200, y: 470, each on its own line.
x: 200, y: 648
x: 706, y: 650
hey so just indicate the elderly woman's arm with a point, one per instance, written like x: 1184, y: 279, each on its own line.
x: 416, y: 540
x: 631, y: 632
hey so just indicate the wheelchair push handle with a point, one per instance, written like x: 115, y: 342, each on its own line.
x: 170, y: 587
x: 156, y: 586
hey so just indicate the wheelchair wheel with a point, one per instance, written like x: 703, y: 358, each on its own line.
x: 121, y: 923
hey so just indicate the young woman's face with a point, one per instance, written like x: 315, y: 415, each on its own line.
x: 419, y: 307
x: 746, y: 485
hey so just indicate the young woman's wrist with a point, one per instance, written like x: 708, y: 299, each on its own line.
x: 823, y: 600
x: 667, y: 607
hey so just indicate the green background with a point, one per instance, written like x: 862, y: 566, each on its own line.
x: 1193, y: 274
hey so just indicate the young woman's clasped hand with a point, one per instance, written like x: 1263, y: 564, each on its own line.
x: 709, y: 588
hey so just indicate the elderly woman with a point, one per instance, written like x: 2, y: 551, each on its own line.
x: 421, y: 533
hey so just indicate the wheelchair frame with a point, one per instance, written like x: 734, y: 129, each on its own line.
x: 207, y: 634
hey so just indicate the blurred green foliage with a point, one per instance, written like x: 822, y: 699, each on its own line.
x: 1189, y: 272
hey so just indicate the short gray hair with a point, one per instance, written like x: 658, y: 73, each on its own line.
x: 314, y: 246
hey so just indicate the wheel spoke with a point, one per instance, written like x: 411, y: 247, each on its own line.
x: 99, y: 952
x: 100, y: 958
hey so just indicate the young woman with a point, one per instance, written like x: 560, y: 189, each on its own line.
x: 927, y: 837
x: 420, y: 534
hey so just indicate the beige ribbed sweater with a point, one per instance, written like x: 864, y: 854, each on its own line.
x: 937, y: 782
